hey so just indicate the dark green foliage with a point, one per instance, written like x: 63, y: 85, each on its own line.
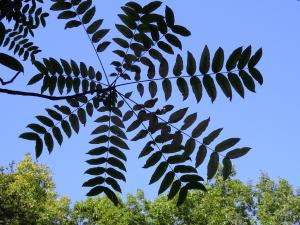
x: 176, y: 141
x: 78, y: 13
x: 26, y: 18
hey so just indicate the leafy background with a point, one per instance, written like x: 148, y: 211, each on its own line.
x: 267, y: 121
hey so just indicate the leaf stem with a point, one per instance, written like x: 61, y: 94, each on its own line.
x: 176, y: 128
x: 75, y: 110
x: 108, y: 141
x: 118, y: 76
x: 144, y: 53
x: 149, y: 133
x: 99, y: 59
x: 175, y: 77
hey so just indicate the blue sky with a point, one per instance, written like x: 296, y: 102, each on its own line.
x: 267, y: 121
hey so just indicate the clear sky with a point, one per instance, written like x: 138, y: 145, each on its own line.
x: 267, y: 121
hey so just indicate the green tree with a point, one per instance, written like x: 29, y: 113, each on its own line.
x: 277, y: 203
x: 149, y: 54
x: 27, y: 196
x: 225, y: 203
x: 101, y: 211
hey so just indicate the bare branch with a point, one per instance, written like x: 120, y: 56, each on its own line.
x: 53, y: 98
x: 10, y: 81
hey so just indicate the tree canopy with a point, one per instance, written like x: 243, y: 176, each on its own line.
x: 28, y: 196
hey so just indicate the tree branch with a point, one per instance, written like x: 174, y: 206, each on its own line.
x: 53, y: 98
x: 10, y: 81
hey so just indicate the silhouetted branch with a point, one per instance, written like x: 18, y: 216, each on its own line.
x: 53, y: 98
x: 10, y: 81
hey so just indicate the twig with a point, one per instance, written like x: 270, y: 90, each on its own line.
x: 53, y: 98
x: 95, y: 50
x: 10, y: 81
